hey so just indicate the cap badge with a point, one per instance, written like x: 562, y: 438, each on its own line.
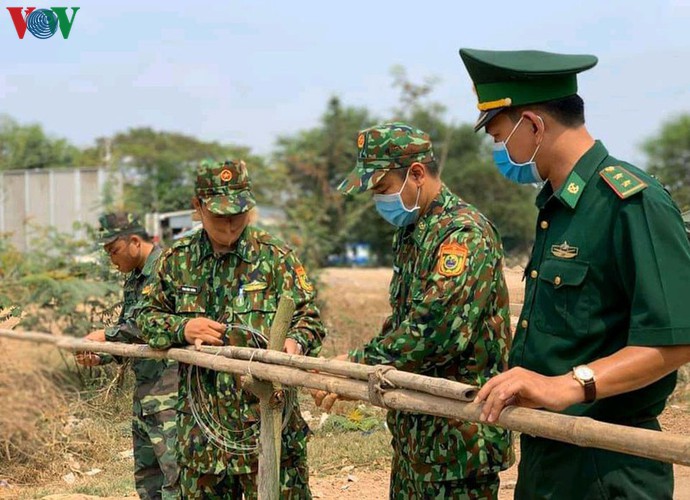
x: 226, y: 175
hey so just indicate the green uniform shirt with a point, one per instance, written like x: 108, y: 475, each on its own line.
x: 241, y: 287
x: 606, y: 272
x: 156, y: 380
x: 450, y: 319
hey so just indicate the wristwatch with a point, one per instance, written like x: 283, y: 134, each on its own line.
x: 585, y: 376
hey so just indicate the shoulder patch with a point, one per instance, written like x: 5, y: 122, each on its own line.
x: 302, y: 279
x: 623, y: 182
x: 451, y: 259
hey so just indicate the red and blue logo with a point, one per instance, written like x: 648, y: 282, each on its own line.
x: 42, y: 23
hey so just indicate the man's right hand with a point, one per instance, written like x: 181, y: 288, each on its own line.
x: 87, y: 359
x: 200, y: 331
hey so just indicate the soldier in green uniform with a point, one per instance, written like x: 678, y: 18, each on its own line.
x: 605, y: 323
x: 221, y: 286
x: 155, y: 394
x: 449, y: 318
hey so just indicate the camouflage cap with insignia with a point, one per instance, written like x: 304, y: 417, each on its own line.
x: 385, y: 147
x: 505, y: 78
x: 224, y: 187
x: 114, y: 225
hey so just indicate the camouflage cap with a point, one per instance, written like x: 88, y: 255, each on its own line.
x: 385, y: 147
x: 224, y: 187
x: 117, y: 224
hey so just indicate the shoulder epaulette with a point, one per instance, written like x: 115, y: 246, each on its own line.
x: 623, y: 182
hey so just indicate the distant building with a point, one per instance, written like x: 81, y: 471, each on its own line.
x: 168, y: 226
x: 58, y: 197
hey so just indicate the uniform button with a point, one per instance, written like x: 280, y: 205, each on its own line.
x: 533, y: 274
x: 557, y: 280
x: 544, y: 224
x: 523, y: 323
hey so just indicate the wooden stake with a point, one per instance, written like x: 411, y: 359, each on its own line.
x: 271, y: 404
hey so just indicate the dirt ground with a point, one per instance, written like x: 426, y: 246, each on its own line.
x: 354, y: 304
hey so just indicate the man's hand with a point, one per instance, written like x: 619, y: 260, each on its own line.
x: 521, y: 387
x: 200, y: 331
x: 90, y: 358
x: 87, y: 358
x: 96, y: 335
x: 291, y: 346
x: 324, y: 399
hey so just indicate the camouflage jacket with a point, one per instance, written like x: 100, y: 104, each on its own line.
x: 450, y: 319
x: 238, y: 288
x: 156, y: 380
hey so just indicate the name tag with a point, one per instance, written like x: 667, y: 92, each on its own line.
x: 189, y: 289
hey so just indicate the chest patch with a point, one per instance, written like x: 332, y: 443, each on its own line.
x: 255, y: 286
x: 189, y: 289
x: 564, y: 251
x: 451, y: 259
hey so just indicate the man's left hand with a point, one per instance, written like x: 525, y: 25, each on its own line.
x: 521, y: 387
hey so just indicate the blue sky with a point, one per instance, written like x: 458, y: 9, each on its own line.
x: 247, y: 72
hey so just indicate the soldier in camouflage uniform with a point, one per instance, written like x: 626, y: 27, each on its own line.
x: 208, y: 287
x: 450, y: 314
x: 155, y: 394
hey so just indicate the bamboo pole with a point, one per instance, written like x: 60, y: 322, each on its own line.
x: 579, y: 431
x: 430, y: 385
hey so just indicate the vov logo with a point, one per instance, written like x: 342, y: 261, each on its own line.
x: 42, y: 23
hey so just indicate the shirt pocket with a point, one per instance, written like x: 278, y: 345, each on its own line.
x: 253, y: 316
x: 562, y: 304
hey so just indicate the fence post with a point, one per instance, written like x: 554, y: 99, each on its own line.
x: 271, y: 403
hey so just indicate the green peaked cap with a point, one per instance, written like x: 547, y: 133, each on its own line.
x: 504, y: 78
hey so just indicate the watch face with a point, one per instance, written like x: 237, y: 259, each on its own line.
x: 584, y: 373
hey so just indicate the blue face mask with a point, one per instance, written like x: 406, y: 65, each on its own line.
x: 394, y: 211
x: 522, y: 173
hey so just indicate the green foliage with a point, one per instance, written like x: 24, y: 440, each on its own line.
x: 27, y: 146
x: 668, y: 155
x: 312, y: 163
x: 56, y: 287
x: 160, y: 167
x: 360, y: 418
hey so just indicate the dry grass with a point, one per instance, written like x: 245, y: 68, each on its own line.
x: 48, y: 428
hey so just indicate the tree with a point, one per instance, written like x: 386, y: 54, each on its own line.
x: 160, y: 167
x: 668, y: 155
x: 28, y: 146
x: 313, y: 163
